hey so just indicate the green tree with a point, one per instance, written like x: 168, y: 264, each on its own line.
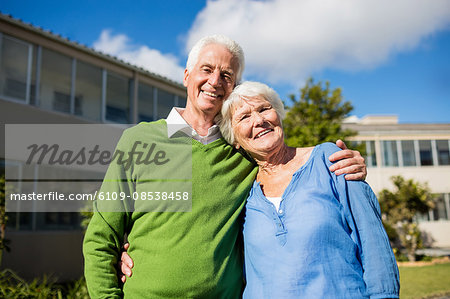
x: 317, y: 116
x: 400, y: 208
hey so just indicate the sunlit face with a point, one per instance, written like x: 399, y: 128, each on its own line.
x: 256, y: 126
x: 212, y: 79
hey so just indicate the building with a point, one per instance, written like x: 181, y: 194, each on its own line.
x: 415, y: 151
x: 47, y: 79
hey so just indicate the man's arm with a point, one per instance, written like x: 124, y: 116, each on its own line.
x: 349, y: 162
x: 105, y: 234
x: 101, y: 249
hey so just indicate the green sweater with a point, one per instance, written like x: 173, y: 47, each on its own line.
x: 195, y: 254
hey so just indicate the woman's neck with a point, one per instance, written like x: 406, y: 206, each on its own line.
x: 277, y: 161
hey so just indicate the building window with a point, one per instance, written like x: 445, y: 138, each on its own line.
x: 55, y: 81
x: 426, y: 156
x: 408, y: 153
x: 58, y: 221
x: 34, y: 74
x: 443, y: 152
x: 166, y: 101
x: 117, y: 99
x: 14, y: 170
x: 88, y: 91
x: 40, y: 179
x: 145, y: 103
x: 15, y: 68
x: 440, y: 211
x: 19, y: 220
x: 389, y: 149
x: 371, y: 157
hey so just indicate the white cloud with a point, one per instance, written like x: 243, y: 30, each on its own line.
x: 119, y: 45
x: 284, y: 40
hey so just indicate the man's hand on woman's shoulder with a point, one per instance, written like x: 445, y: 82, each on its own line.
x: 348, y: 162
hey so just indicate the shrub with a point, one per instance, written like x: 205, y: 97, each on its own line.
x: 14, y: 287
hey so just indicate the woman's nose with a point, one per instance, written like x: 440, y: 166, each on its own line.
x: 257, y: 118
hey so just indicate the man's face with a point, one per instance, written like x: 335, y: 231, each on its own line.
x: 211, y: 80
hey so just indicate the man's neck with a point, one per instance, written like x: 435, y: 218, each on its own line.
x: 200, y: 122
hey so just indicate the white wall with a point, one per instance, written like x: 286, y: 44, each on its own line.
x: 438, y: 178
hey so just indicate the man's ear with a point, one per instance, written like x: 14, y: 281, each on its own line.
x: 185, y: 77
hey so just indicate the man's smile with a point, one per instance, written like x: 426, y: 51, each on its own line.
x: 210, y: 94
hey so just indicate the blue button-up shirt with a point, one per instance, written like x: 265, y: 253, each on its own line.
x: 325, y: 241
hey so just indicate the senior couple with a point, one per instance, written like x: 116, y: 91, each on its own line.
x: 307, y: 231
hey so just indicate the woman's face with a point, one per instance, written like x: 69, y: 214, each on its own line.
x: 256, y: 126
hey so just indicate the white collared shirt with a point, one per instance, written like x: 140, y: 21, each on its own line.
x: 176, y: 123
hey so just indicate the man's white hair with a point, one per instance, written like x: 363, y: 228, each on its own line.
x: 247, y: 89
x: 232, y: 46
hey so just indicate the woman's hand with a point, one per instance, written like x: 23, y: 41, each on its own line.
x: 125, y: 264
x: 349, y: 162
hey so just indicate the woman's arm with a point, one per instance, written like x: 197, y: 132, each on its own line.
x: 363, y: 215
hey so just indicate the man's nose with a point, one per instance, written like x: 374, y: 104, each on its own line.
x: 214, y: 78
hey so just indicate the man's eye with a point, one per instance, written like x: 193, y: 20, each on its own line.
x: 227, y: 77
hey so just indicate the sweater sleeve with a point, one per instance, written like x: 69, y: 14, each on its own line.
x: 105, y: 234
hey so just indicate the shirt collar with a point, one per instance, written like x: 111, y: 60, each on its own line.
x: 176, y: 123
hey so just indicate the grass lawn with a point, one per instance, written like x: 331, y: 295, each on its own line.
x: 424, y: 281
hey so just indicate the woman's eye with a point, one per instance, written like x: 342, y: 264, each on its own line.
x: 243, y: 117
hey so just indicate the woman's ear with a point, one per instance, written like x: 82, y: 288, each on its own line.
x: 237, y: 146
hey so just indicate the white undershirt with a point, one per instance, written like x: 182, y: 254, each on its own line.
x: 276, y: 201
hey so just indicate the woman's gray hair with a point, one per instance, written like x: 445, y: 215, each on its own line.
x: 245, y: 90
x: 232, y: 46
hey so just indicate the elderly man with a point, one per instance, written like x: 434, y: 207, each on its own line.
x: 194, y: 254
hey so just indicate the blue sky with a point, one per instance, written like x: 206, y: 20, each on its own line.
x: 389, y: 57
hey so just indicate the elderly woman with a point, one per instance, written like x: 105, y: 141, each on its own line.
x: 308, y: 233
